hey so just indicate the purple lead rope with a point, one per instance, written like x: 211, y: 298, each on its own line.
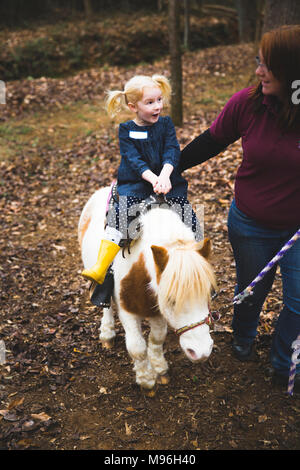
x: 238, y: 299
x: 294, y: 362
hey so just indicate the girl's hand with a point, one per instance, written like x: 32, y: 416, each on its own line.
x: 151, y: 177
x: 163, y: 185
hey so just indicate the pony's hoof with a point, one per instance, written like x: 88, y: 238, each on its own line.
x: 163, y: 379
x: 108, y: 344
x: 148, y: 392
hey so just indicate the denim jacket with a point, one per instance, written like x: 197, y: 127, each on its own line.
x: 148, y: 148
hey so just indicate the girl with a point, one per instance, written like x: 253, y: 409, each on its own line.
x: 150, y: 156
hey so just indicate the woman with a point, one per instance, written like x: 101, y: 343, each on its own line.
x: 265, y: 211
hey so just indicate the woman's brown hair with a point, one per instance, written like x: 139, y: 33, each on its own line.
x: 280, y: 49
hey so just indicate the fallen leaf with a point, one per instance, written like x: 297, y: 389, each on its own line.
x: 28, y: 425
x: 16, y: 402
x: 8, y: 416
x: 41, y: 416
x: 195, y: 443
x: 262, y: 418
x: 130, y: 408
x: 59, y: 247
x: 128, y: 429
x: 25, y: 442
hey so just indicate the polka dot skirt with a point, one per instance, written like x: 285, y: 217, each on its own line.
x: 128, y: 208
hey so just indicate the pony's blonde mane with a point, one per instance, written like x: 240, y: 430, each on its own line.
x: 187, y: 276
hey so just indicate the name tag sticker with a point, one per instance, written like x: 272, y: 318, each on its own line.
x: 138, y: 135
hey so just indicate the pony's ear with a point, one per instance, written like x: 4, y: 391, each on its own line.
x: 161, y: 257
x: 205, y: 249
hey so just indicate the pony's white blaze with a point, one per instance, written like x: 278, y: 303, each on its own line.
x: 197, y: 343
x: 166, y: 279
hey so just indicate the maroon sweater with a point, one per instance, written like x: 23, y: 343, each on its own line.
x: 267, y: 186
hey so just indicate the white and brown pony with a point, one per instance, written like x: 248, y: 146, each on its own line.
x: 165, y: 279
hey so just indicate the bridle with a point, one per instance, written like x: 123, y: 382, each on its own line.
x: 209, y: 320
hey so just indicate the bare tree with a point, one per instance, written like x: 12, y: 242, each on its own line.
x: 278, y: 13
x: 175, y: 59
x: 88, y: 9
x: 159, y: 5
x: 259, y: 20
x: 186, y: 24
x: 247, y: 15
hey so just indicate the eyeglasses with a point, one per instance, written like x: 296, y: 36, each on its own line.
x: 260, y: 64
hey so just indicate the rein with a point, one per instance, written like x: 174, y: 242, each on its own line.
x: 209, y: 320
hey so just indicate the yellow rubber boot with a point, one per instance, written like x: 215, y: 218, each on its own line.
x: 106, y: 255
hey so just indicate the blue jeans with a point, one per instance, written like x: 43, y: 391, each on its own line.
x: 253, y: 247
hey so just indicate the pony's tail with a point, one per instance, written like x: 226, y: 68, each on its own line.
x: 165, y: 86
x: 115, y: 102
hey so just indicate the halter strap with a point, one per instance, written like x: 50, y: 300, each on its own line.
x: 209, y: 320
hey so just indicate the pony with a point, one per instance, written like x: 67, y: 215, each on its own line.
x: 165, y: 278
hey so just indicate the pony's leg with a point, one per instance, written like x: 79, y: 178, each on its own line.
x: 137, y: 349
x: 156, y: 341
x: 107, y: 328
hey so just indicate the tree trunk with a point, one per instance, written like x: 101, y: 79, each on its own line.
x: 88, y: 9
x: 186, y: 24
x: 175, y: 59
x: 247, y: 15
x: 279, y: 12
x: 259, y: 20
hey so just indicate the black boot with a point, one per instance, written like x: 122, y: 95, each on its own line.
x: 100, y: 294
x: 242, y: 351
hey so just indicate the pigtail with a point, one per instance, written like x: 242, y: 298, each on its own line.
x: 115, y: 102
x: 164, y: 84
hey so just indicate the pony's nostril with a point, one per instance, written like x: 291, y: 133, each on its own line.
x: 191, y: 353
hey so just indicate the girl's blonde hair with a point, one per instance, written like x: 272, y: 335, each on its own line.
x: 133, y: 92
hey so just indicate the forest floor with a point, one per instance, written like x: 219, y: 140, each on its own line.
x: 59, y: 389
